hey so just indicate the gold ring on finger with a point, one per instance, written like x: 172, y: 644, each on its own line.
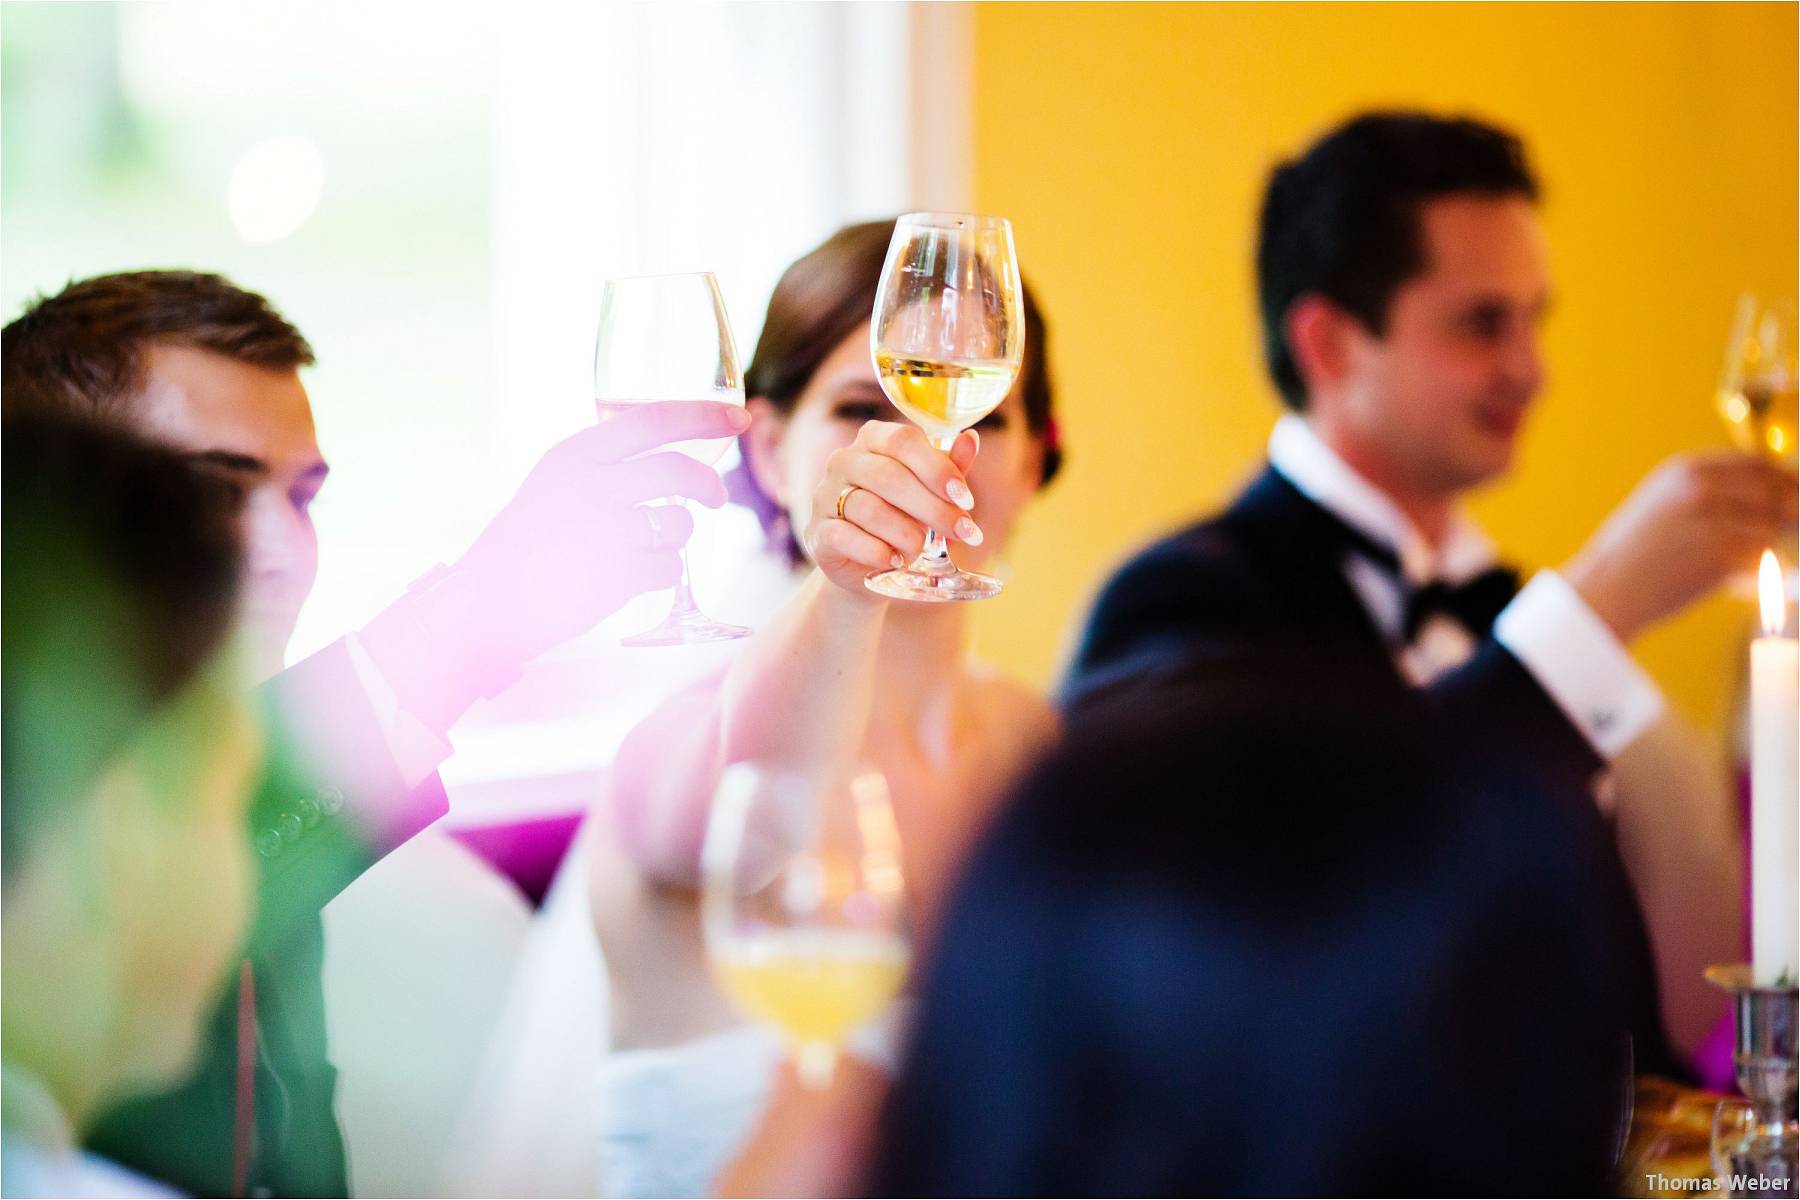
x: 844, y: 497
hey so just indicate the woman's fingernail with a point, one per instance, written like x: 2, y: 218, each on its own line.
x: 739, y: 419
x: 960, y: 495
x: 968, y: 531
x: 899, y: 563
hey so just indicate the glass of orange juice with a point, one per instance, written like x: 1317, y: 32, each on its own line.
x: 804, y: 904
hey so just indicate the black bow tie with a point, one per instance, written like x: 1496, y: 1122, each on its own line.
x: 1474, y: 603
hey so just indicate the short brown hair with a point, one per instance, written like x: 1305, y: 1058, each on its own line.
x: 1342, y: 219
x: 80, y: 352
x: 820, y: 300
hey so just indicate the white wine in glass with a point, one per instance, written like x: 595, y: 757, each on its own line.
x: 948, y: 337
x: 803, y: 904
x: 1759, y: 385
x: 942, y: 398
x: 666, y: 337
x: 1759, y: 400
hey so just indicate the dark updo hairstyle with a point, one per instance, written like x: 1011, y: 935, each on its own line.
x: 819, y: 301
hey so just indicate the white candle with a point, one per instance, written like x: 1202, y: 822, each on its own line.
x: 1774, y: 787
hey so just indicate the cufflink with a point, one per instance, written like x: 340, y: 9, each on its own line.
x: 1602, y: 719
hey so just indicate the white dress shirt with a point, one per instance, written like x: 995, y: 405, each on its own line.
x: 416, y: 749
x: 1569, y: 650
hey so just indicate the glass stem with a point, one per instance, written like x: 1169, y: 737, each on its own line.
x: 817, y: 1063
x: 684, y: 592
x: 683, y: 605
x: 934, y: 559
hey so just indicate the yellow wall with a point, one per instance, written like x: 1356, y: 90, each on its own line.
x: 1129, y: 144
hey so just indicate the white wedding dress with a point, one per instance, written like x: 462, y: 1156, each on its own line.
x: 556, y: 1113
x: 671, y: 1118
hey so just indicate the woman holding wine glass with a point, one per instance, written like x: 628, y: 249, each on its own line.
x: 842, y: 675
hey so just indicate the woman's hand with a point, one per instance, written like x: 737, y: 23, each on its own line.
x: 902, y: 486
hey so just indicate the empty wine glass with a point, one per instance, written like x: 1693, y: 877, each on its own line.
x: 666, y: 337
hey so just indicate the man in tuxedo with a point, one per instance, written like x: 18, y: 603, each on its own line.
x: 193, y: 362
x: 1402, y: 281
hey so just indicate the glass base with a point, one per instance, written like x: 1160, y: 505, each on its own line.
x: 933, y: 587
x: 686, y: 629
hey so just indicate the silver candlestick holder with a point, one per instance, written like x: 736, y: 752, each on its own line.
x: 1764, y: 1055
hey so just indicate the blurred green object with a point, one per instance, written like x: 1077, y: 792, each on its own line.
x: 184, y: 1135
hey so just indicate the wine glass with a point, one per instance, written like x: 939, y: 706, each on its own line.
x: 948, y: 335
x: 666, y: 337
x: 803, y: 903
x: 1759, y: 400
x: 1759, y: 387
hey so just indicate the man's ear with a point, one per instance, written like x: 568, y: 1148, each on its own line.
x: 1319, y: 335
x: 762, y: 447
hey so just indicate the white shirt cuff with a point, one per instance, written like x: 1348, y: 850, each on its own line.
x: 1577, y: 659
x: 416, y: 749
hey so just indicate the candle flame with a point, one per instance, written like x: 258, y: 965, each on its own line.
x: 1772, y: 592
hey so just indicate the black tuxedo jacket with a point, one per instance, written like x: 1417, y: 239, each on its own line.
x: 327, y: 756
x: 1256, y: 600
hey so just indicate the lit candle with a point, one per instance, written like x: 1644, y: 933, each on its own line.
x: 1774, y: 786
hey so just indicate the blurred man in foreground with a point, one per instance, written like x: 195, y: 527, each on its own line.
x: 197, y: 364
x: 1187, y: 961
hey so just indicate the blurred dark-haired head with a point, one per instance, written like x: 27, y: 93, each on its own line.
x: 128, y: 752
x: 1217, y: 946
x: 817, y: 318
x: 120, y: 575
x: 1342, y: 219
x: 1404, y: 282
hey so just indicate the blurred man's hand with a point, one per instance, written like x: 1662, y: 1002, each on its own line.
x: 580, y: 537
x: 577, y: 540
x: 1692, y: 522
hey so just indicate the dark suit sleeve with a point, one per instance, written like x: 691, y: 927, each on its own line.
x: 1500, y: 708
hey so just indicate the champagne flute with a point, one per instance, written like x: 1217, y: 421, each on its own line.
x: 948, y: 335
x: 666, y: 337
x: 803, y: 904
x: 1759, y: 399
x: 1759, y: 387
